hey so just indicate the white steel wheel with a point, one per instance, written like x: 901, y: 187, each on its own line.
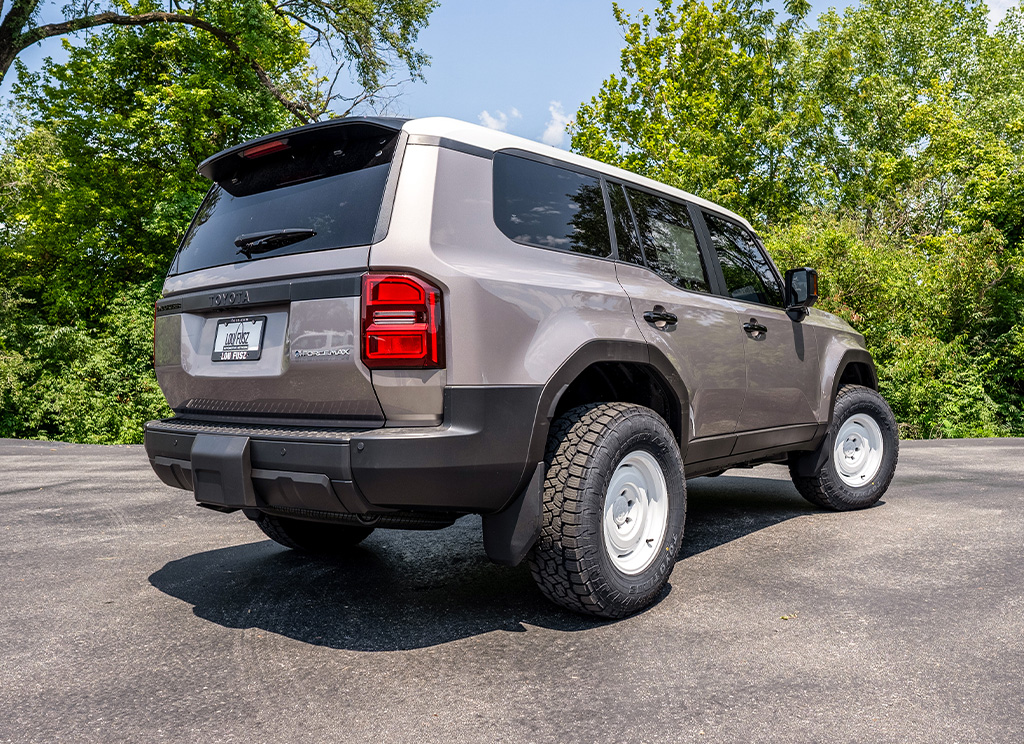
x: 635, y: 512
x: 858, y: 449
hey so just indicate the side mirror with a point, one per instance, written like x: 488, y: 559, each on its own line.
x: 801, y: 290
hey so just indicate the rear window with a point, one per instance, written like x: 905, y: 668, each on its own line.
x: 549, y: 207
x: 323, y: 190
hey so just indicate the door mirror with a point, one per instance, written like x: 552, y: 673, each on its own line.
x: 801, y: 288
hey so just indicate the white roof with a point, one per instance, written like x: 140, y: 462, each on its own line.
x: 491, y: 139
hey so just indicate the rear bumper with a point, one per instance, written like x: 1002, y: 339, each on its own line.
x: 476, y: 462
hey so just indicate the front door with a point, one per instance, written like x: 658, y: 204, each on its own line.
x: 781, y: 353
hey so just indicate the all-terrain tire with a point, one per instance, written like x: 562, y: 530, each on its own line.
x: 574, y: 561
x: 315, y: 538
x: 861, y: 418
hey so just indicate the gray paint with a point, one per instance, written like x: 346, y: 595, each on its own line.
x: 512, y: 315
x: 284, y: 381
x: 516, y: 312
x: 706, y: 346
x: 782, y: 369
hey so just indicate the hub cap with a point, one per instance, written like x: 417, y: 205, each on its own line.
x: 635, y: 512
x: 857, y: 453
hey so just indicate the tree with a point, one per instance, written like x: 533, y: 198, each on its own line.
x: 97, y: 183
x: 704, y: 102
x: 369, y: 36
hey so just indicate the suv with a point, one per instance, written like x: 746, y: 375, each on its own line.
x: 385, y: 323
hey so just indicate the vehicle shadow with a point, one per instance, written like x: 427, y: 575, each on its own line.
x: 404, y: 590
x: 723, y: 509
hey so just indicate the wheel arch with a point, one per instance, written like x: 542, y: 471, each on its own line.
x: 611, y: 370
x: 627, y: 371
x: 855, y: 367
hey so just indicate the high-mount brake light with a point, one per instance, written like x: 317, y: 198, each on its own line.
x: 402, y: 323
x: 266, y: 148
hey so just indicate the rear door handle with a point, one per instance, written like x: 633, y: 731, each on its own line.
x: 657, y: 316
x: 753, y: 327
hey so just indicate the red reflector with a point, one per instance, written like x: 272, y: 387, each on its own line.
x: 265, y: 149
x: 402, y: 323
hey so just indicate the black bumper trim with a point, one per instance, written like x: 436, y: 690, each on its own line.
x: 476, y: 462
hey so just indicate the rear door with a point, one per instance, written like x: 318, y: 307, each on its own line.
x: 260, y: 319
x: 665, y: 273
x: 781, y: 353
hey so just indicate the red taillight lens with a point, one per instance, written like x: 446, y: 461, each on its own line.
x: 402, y: 323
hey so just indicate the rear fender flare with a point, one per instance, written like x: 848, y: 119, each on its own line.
x: 603, y: 350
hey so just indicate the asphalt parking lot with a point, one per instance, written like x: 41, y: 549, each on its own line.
x: 128, y: 614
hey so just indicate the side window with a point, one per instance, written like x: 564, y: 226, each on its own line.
x: 748, y: 276
x: 669, y: 242
x: 550, y: 207
x: 625, y: 228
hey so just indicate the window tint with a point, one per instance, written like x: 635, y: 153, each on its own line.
x: 330, y: 183
x: 748, y: 276
x: 550, y: 207
x: 625, y: 228
x: 669, y: 242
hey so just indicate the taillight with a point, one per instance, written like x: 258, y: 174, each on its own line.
x: 402, y: 323
x: 258, y: 151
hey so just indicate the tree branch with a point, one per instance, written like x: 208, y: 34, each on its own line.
x: 299, y: 110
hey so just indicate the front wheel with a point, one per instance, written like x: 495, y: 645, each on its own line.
x: 614, y: 508
x: 865, y: 446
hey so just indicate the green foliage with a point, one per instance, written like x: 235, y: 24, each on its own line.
x: 884, y: 146
x: 81, y: 385
x: 97, y: 184
x: 941, y: 316
x: 704, y: 102
x: 98, y: 181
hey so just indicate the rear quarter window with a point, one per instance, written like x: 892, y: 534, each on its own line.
x: 549, y: 207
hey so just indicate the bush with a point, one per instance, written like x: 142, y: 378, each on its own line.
x: 941, y: 316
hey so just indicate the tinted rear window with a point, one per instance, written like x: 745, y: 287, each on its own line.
x: 550, y: 207
x: 669, y: 241
x: 334, y: 189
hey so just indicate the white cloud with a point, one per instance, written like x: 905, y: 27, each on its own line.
x: 997, y: 9
x: 500, y: 120
x: 554, y: 132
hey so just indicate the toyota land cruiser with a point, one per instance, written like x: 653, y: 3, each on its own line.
x: 381, y: 323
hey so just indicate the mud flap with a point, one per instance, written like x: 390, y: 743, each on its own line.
x: 222, y: 472
x: 510, y: 533
x: 809, y: 464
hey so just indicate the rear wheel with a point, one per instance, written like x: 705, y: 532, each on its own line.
x: 614, y: 508
x: 862, y: 459
x: 315, y: 538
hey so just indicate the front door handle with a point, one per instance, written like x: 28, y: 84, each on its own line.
x: 659, y: 317
x: 754, y: 328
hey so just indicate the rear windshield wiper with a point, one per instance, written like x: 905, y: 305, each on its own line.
x: 262, y: 242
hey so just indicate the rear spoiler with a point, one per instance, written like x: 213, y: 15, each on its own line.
x: 221, y: 165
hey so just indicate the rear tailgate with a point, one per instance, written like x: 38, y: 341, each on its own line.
x: 302, y: 360
x: 260, y: 318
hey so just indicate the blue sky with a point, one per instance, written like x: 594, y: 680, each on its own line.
x: 523, y: 66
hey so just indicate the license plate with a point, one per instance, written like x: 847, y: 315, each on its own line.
x: 239, y: 339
